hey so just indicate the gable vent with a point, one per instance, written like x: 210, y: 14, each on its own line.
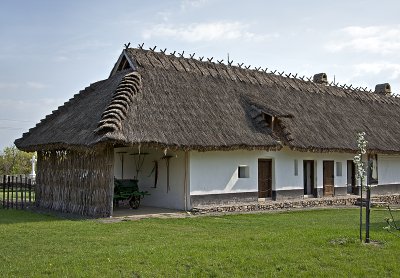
x: 383, y: 89
x: 320, y: 78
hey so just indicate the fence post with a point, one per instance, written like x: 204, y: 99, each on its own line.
x: 4, y: 190
x: 8, y: 191
x: 25, y: 187
x: 16, y: 192
x: 30, y: 191
x: 12, y: 191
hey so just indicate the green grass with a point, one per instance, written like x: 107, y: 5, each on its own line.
x: 318, y: 243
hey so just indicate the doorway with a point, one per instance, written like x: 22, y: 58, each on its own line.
x: 264, y: 178
x: 329, y: 179
x: 351, y: 177
x: 308, y: 170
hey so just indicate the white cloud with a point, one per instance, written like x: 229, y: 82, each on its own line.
x: 8, y: 86
x: 187, y: 4
x: 388, y: 69
x: 36, y: 85
x: 373, y: 39
x: 211, y: 31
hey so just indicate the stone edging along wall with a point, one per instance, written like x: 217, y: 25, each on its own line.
x: 295, y: 204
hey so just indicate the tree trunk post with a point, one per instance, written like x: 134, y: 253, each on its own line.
x: 361, y: 207
x: 368, y: 207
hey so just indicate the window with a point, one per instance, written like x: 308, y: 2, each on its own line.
x: 372, y: 169
x: 296, y: 167
x: 338, y: 169
x: 270, y: 121
x: 243, y: 172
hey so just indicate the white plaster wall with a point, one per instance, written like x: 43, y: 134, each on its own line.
x: 388, y: 169
x: 216, y: 172
x: 159, y: 197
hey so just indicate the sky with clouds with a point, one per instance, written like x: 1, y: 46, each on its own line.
x: 50, y: 50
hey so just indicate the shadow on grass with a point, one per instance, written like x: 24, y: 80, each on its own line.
x: 14, y: 216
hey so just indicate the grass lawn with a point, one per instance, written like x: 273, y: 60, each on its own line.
x: 318, y: 243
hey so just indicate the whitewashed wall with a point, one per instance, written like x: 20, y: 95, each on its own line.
x: 158, y: 197
x: 216, y: 172
x: 388, y: 169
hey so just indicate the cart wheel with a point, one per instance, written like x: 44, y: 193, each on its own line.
x: 134, y: 202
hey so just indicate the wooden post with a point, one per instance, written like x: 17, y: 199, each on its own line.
x: 4, y: 190
x: 8, y: 191
x: 368, y: 207
x: 12, y: 191
x: 30, y: 190
x: 361, y: 206
x: 16, y: 192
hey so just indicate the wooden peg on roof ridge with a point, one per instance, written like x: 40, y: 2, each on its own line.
x: 192, y: 55
x: 220, y: 62
x: 173, y: 53
x: 257, y: 68
x: 266, y: 70
x: 273, y: 72
x: 240, y: 65
x: 181, y: 54
x: 201, y: 58
x: 163, y: 51
x: 152, y: 49
x: 127, y: 45
x: 230, y: 62
x: 288, y: 75
x: 280, y: 73
x: 141, y: 45
x: 247, y: 67
x: 210, y: 59
x: 295, y: 76
x: 302, y: 78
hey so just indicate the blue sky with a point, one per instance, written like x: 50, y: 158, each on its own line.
x: 50, y: 50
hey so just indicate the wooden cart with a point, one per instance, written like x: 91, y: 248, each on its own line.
x: 126, y: 189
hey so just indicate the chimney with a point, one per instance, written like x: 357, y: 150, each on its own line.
x: 320, y: 78
x: 383, y: 89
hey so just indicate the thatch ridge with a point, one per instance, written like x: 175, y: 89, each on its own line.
x: 115, y: 113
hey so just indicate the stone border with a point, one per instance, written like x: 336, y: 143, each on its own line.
x: 345, y: 201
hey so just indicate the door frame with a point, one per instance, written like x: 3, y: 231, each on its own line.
x: 271, y: 178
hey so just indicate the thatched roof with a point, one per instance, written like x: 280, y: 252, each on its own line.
x: 156, y: 99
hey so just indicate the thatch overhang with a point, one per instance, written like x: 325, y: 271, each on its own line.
x: 183, y: 103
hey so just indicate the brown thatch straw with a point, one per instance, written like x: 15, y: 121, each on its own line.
x: 76, y: 181
x: 188, y: 104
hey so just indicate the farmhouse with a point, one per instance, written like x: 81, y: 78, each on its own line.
x: 196, y: 132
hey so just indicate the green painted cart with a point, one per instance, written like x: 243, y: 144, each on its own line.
x: 126, y: 189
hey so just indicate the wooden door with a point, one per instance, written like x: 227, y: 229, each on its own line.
x: 264, y: 178
x: 329, y: 179
x: 308, y: 171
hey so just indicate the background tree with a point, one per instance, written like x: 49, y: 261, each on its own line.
x: 15, y: 162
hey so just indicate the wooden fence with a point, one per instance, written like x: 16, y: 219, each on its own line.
x: 16, y: 192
